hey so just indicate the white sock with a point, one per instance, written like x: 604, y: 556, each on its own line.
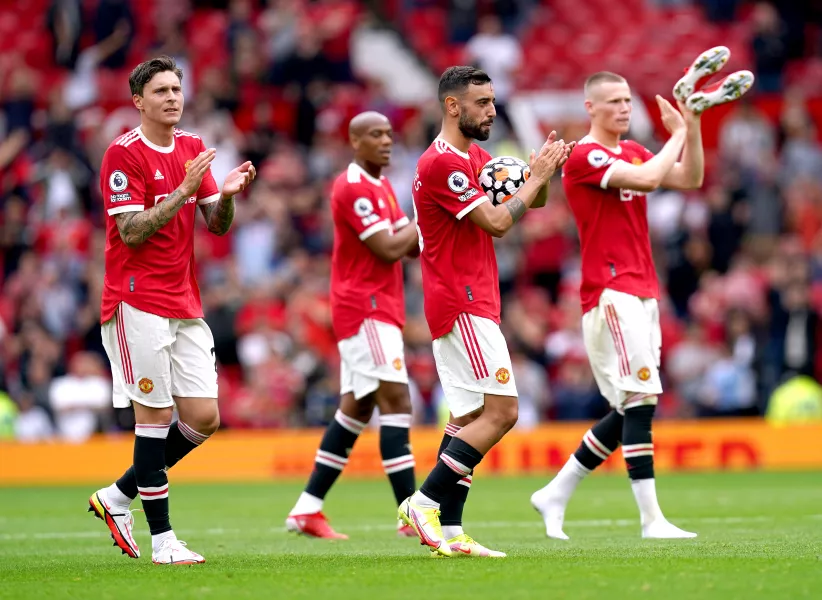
x: 157, y: 540
x: 423, y: 500
x: 306, y: 505
x: 116, y: 497
x: 645, y: 494
x: 567, y: 480
x: 451, y: 531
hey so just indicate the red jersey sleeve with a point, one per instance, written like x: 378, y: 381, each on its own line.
x: 453, y: 185
x: 360, y: 209
x: 591, y: 165
x: 208, y: 192
x: 122, y: 182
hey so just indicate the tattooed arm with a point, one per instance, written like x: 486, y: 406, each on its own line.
x: 136, y: 227
x: 497, y: 220
x: 219, y: 215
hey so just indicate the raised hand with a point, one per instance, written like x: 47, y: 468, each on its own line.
x: 196, y: 170
x: 672, y: 119
x: 552, y: 155
x: 239, y: 179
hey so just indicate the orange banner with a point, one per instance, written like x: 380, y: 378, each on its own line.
x: 289, y: 454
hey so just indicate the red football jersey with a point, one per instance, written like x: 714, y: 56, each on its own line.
x: 612, y: 223
x: 459, y: 265
x: 362, y: 285
x: 157, y: 276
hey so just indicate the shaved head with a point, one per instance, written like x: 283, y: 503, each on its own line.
x: 596, y: 79
x: 364, y: 121
x: 371, y: 138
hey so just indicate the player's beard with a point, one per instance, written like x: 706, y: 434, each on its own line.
x: 471, y: 130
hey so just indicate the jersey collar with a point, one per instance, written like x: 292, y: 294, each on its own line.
x: 465, y: 155
x: 590, y: 140
x: 355, y: 171
x: 163, y: 149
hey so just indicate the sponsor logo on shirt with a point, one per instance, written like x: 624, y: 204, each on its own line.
x: 458, y: 182
x: 120, y: 197
x: 158, y: 175
x: 117, y: 181
x: 468, y: 195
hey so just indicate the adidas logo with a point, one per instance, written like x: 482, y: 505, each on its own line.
x: 158, y: 175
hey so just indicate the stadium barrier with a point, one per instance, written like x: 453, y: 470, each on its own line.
x: 289, y: 454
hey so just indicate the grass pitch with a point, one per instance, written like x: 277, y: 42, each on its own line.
x: 760, y: 536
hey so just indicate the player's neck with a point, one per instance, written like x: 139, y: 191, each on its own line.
x: 454, y: 136
x: 157, y: 134
x: 606, y: 138
x: 373, y: 170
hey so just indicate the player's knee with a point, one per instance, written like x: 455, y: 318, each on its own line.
x: 207, y: 424
x: 504, y: 413
x: 393, y: 399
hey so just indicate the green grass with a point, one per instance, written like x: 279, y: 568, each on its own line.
x: 759, y: 537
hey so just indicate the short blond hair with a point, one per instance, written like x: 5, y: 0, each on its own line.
x: 602, y: 77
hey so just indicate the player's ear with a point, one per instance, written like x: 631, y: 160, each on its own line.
x: 137, y: 99
x: 589, y: 106
x: 452, y: 106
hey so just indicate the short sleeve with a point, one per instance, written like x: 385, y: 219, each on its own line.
x: 590, y: 165
x: 122, y: 182
x: 208, y: 192
x: 452, y: 183
x: 358, y: 207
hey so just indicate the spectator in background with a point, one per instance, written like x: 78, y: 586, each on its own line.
x: 114, y: 20
x: 720, y: 11
x: 747, y: 140
x: 80, y: 398
x: 33, y: 423
x: 728, y: 388
x: 769, y: 47
x: 65, y: 24
x: 499, y: 54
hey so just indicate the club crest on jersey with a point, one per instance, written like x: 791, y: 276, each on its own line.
x: 597, y: 157
x: 458, y: 182
x: 117, y: 181
x: 146, y: 385
x: 503, y: 375
x: 644, y: 374
x: 363, y: 207
x: 185, y: 166
x: 397, y: 364
x: 636, y: 161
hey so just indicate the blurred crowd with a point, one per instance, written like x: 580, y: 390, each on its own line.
x: 740, y: 261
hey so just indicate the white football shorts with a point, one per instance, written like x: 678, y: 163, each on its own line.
x: 154, y: 358
x: 376, y: 353
x: 624, y: 342
x: 473, y: 360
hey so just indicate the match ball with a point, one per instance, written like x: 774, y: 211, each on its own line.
x: 501, y: 177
